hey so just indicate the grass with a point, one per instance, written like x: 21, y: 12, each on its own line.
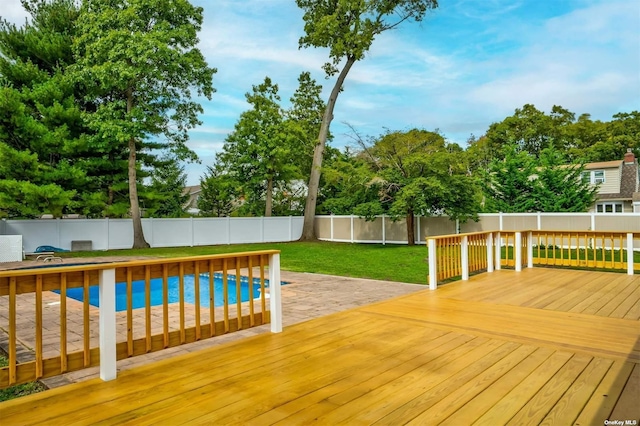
x: 18, y: 390
x: 399, y: 263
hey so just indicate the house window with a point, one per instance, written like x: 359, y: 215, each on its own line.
x: 594, y: 177
x: 609, y: 208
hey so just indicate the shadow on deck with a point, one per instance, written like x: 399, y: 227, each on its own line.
x: 542, y: 345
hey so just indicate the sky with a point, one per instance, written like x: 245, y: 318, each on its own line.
x: 468, y: 64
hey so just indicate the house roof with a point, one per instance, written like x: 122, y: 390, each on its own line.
x: 603, y: 165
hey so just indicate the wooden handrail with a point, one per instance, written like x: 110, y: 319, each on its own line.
x: 457, y: 255
x: 27, y: 287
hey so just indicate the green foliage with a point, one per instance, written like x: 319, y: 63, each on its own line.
x: 532, y: 131
x: 40, y: 125
x: 165, y: 196
x: 559, y: 187
x: 348, y: 186
x: 262, y: 153
x: 347, y: 29
x: 304, y: 119
x: 403, y: 174
x: 522, y: 183
x: 508, y: 183
x: 218, y: 193
x: 140, y: 64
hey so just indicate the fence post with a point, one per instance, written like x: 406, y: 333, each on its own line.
x: 352, y: 228
x: 593, y: 221
x: 629, y: 253
x: 193, y: 236
x: 331, y: 226
x: 290, y: 228
x: 433, y: 276
x: 419, y: 239
x: 490, y: 252
x: 501, y: 223
x: 108, y: 231
x: 517, y: 248
x: 275, y: 296
x: 384, y: 232
x: 539, y: 221
x: 498, y: 251
x: 529, y: 249
x: 262, y: 229
x: 464, y: 257
x: 228, y: 230
x: 151, y: 227
x: 107, y: 319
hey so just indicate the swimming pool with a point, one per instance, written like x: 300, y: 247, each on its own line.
x: 138, y: 291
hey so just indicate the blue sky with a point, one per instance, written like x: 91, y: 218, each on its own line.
x: 468, y: 64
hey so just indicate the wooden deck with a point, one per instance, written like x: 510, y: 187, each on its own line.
x: 541, y: 346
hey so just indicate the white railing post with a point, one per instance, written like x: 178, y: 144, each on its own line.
x: 433, y: 276
x: 107, y: 320
x: 275, y: 294
x: 629, y: 253
x: 593, y: 221
x: 490, y: 252
x: 529, y: 249
x: 539, y: 221
x: 517, y: 249
x: 464, y: 257
x: 498, y: 251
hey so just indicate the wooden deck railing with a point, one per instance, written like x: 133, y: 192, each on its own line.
x: 458, y: 255
x: 67, y: 335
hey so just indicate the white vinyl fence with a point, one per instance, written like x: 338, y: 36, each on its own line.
x: 106, y: 234
x: 383, y: 230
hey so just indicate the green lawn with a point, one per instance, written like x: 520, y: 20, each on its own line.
x: 383, y: 262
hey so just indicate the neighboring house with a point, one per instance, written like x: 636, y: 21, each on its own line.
x: 194, y: 191
x: 619, y: 184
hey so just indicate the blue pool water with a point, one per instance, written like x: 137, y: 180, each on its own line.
x: 138, y: 291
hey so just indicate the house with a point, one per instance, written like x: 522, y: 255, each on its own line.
x: 191, y: 205
x: 619, y: 181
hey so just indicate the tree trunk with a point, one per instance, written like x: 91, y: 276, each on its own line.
x: 269, y: 198
x: 138, y: 234
x: 308, y: 229
x: 411, y: 237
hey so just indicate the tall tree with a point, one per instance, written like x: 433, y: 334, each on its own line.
x: 347, y: 28
x: 419, y: 173
x: 40, y: 125
x: 143, y: 64
x: 259, y: 153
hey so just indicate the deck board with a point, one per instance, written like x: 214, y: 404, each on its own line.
x: 555, y: 347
